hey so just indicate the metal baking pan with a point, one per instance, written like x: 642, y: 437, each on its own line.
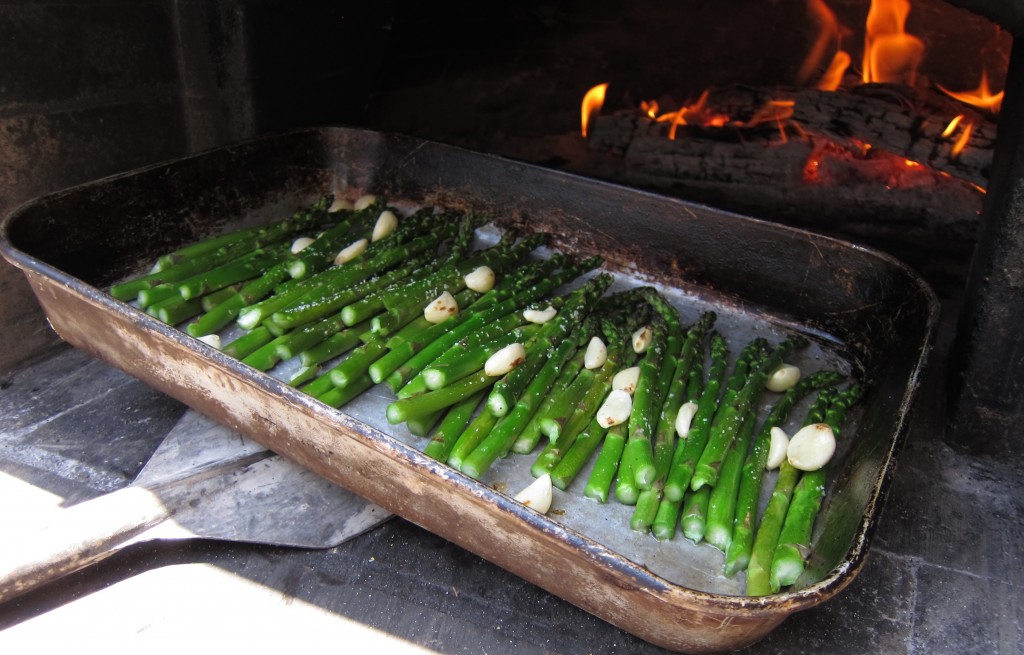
x: 865, y: 312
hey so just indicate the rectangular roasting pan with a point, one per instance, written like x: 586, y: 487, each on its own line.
x: 865, y: 313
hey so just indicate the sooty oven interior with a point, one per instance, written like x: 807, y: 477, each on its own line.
x: 872, y: 121
x: 760, y: 107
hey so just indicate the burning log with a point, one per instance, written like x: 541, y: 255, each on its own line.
x: 819, y: 177
x: 862, y: 122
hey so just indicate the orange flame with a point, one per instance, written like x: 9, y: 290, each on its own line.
x: 961, y: 141
x: 890, y: 54
x: 952, y: 126
x: 833, y: 77
x: 773, y: 111
x: 828, y: 30
x: 693, y: 114
x: 593, y: 100
x: 981, y: 97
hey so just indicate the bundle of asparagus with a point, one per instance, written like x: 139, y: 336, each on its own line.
x: 487, y: 355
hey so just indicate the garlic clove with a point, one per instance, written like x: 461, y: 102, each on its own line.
x: 642, y: 339
x: 211, y: 340
x: 504, y: 360
x: 627, y: 379
x: 684, y: 418
x: 777, y: 449
x: 783, y: 378
x: 538, y: 494
x: 540, y: 315
x: 385, y: 225
x: 615, y: 409
x: 338, y: 205
x: 441, y: 308
x: 811, y: 447
x: 596, y: 354
x: 351, y: 251
x: 364, y: 201
x: 301, y: 244
x: 480, y: 279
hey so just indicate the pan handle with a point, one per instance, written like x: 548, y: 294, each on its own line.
x: 80, y: 535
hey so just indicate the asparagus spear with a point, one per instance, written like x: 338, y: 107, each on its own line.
x: 738, y: 554
x: 337, y: 344
x: 600, y: 480
x: 727, y: 425
x: 131, y: 288
x: 382, y: 255
x: 690, y: 349
x: 667, y: 517
x: 211, y: 300
x: 597, y: 385
x: 246, y: 344
x: 475, y: 432
x: 688, y: 451
x: 677, y: 367
x: 768, y: 530
x: 336, y: 397
x: 175, y: 309
x: 566, y: 470
x: 303, y: 219
x: 319, y: 303
x: 722, y: 500
x: 403, y: 409
x: 319, y: 386
x: 321, y: 253
x: 695, y: 513
x: 493, y: 304
x: 469, y: 355
x: 795, y: 539
x: 359, y: 361
x: 508, y: 389
x: 565, y: 398
x: 228, y: 309
x: 206, y: 254
x: 499, y: 441
x: 402, y: 347
x: 638, y: 458
x: 451, y: 279
x: 531, y: 434
x: 578, y: 387
x: 239, y: 270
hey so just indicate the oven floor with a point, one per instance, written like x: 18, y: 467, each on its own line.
x: 945, y: 571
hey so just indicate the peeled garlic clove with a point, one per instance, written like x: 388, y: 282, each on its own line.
x: 642, y: 339
x: 350, y: 252
x: 505, y: 360
x: 615, y: 409
x: 783, y: 378
x: 811, y: 447
x: 684, y: 418
x: 338, y: 205
x: 301, y: 244
x: 537, y: 495
x: 777, y: 449
x: 540, y: 315
x: 211, y: 340
x: 441, y: 308
x: 385, y: 225
x: 596, y: 354
x: 362, y: 202
x: 627, y: 379
x: 480, y: 279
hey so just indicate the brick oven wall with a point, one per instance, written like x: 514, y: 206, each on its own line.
x: 91, y: 88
